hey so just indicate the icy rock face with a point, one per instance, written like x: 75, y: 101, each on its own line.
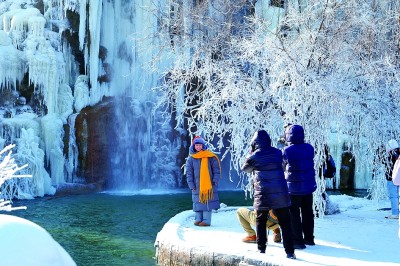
x: 38, y: 72
x: 35, y: 98
x: 95, y: 136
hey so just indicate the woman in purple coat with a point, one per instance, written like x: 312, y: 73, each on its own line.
x: 298, y: 160
x: 270, y: 190
x: 203, y: 172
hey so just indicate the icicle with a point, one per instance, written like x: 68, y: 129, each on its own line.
x: 65, y: 102
x: 43, y: 69
x: 30, y: 153
x: 36, y: 25
x: 52, y: 134
x: 16, y: 22
x: 82, y: 23
x: 72, y: 159
x: 95, y: 14
x: 11, y: 63
x: 81, y: 93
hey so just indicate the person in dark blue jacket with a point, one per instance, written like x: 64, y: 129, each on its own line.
x: 270, y: 190
x: 298, y: 160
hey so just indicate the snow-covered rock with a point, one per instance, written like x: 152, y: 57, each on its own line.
x: 25, y: 243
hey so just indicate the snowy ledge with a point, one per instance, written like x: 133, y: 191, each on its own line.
x: 182, y: 243
x: 347, y: 238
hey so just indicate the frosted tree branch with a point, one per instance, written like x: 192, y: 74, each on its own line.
x: 8, y: 170
x: 331, y: 67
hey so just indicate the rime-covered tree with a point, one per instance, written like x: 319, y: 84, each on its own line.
x: 8, y: 170
x: 331, y: 66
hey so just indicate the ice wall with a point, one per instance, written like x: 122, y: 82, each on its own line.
x: 44, y: 87
x: 35, y: 95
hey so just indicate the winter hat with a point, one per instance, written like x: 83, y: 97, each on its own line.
x: 198, y: 140
x: 392, y: 144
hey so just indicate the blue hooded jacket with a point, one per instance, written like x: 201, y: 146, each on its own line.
x: 270, y: 188
x: 298, y: 159
x: 193, y: 178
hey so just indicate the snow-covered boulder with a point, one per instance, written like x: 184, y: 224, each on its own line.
x: 26, y: 243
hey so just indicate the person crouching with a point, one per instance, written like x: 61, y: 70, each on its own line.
x: 247, y: 219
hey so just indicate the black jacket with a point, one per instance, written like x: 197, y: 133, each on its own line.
x: 270, y: 188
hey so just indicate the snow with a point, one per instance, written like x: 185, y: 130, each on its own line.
x: 26, y: 243
x: 358, y: 235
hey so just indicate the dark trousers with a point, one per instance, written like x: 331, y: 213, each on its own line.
x: 302, y: 216
x: 283, y: 216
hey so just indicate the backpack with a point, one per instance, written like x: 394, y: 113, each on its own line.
x: 330, y: 168
x: 396, y: 173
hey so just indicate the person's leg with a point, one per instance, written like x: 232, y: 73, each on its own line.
x: 198, y: 217
x: 273, y: 225
x: 286, y: 228
x: 277, y: 235
x: 393, y: 192
x: 261, y: 228
x: 297, y: 230
x: 307, y: 220
x: 245, y: 217
x: 206, y: 218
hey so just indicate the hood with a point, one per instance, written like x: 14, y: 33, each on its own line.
x: 294, y: 134
x: 260, y: 139
x: 197, y: 140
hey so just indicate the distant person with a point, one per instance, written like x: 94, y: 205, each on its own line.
x: 203, y: 171
x: 298, y: 160
x: 393, y: 190
x: 270, y: 190
x: 329, y: 167
x: 247, y: 219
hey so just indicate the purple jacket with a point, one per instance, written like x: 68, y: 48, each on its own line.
x: 298, y: 160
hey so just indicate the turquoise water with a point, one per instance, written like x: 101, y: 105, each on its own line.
x: 105, y: 229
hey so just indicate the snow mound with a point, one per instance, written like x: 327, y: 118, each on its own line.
x: 26, y: 243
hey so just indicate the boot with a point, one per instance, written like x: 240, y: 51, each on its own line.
x: 203, y: 224
x: 277, y: 235
x: 250, y: 239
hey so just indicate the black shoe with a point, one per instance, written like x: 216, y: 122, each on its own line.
x: 299, y: 246
x: 291, y: 256
x: 309, y: 243
x: 261, y: 251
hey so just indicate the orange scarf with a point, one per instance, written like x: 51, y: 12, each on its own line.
x: 205, y: 190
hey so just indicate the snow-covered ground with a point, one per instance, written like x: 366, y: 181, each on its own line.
x: 358, y: 235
